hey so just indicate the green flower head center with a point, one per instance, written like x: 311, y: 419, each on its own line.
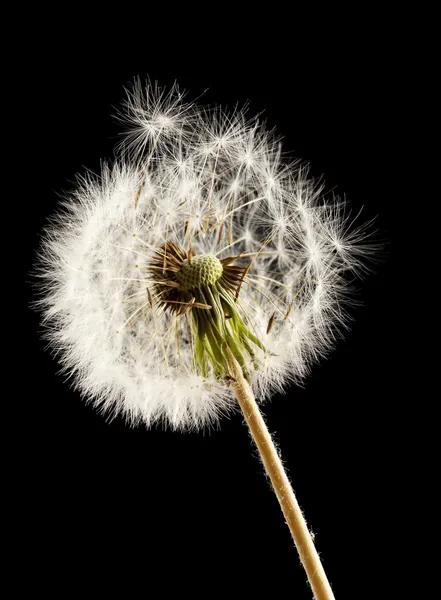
x: 201, y: 271
x: 207, y: 290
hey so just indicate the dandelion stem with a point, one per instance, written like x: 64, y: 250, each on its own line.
x: 281, y: 484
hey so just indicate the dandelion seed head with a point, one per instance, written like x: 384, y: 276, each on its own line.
x: 198, y: 235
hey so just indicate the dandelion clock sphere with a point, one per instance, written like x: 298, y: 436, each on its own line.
x: 196, y: 272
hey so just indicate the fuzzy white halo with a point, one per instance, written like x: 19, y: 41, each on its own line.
x: 216, y: 182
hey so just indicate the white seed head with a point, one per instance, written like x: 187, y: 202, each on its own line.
x: 197, y: 234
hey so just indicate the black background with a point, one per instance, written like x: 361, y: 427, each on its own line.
x: 104, y: 506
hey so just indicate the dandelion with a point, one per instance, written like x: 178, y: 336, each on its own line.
x: 197, y: 273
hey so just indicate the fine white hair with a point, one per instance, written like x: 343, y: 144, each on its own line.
x: 190, y: 175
